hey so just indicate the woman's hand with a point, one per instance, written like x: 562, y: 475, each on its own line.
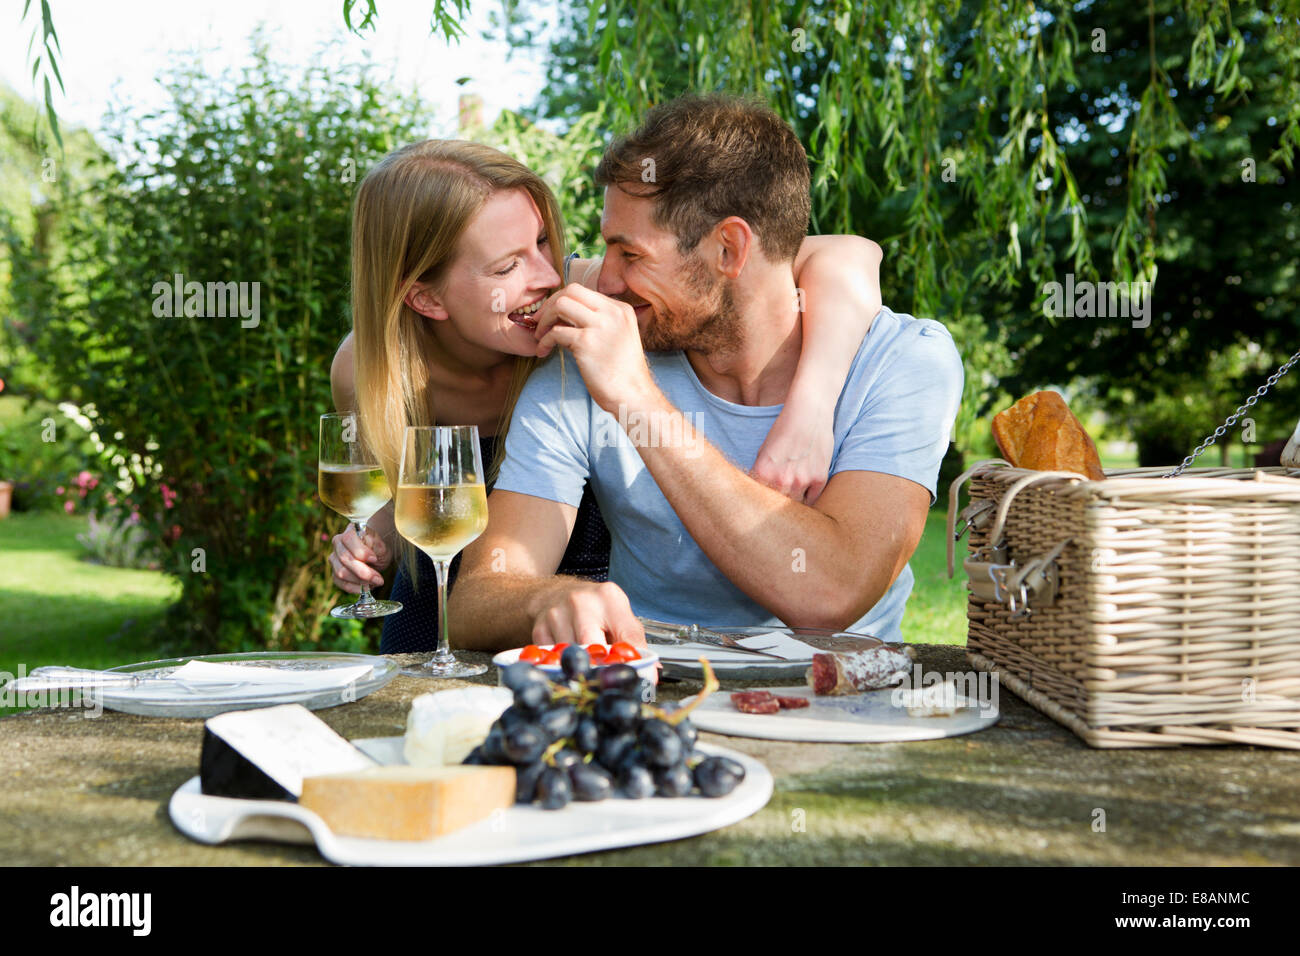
x: 357, y: 561
x: 796, y: 455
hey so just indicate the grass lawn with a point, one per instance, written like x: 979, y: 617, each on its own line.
x: 936, y: 611
x: 57, y: 609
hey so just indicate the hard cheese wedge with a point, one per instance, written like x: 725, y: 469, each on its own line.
x: 264, y: 754
x: 408, y: 803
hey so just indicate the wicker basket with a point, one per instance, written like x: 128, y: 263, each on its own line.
x: 1140, y: 611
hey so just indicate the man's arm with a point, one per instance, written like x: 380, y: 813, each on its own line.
x: 508, y: 594
x: 824, y: 565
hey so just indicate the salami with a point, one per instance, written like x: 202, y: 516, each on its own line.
x: 859, y: 671
x: 792, y: 703
x: 755, y: 702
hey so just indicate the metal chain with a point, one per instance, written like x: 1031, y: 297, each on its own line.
x: 1232, y: 419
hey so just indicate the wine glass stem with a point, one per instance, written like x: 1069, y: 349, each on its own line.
x: 366, y: 599
x: 444, y: 655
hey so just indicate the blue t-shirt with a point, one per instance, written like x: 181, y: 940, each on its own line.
x: 894, y: 416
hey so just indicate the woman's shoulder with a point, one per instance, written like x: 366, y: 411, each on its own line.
x: 341, y: 371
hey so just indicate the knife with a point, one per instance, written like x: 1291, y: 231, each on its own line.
x: 662, y: 632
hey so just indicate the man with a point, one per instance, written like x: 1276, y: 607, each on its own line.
x: 705, y: 207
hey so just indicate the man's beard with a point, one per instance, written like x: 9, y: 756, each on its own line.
x: 712, y: 323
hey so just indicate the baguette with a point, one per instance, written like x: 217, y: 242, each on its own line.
x: 1040, y: 433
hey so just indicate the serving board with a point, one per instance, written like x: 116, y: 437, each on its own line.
x: 873, y: 717
x: 516, y: 835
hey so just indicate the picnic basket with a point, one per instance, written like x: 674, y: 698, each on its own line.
x: 1139, y: 611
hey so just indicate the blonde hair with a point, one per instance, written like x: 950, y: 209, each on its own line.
x: 409, y: 215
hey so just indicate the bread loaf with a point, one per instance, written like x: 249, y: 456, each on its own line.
x: 1040, y: 432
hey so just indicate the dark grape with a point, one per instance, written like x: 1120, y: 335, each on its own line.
x: 566, y: 758
x: 586, y: 736
x: 516, y: 675
x: 718, y: 776
x: 524, y: 744
x: 553, y: 788
x: 575, y: 661
x: 514, y: 716
x: 533, y: 697
x: 674, y: 781
x: 617, y: 712
x: 636, y: 782
x: 660, y: 743
x: 612, y: 748
x: 621, y: 677
x: 475, y: 757
x: 494, y: 747
x: 590, y: 781
x: 526, y: 781
x: 558, y: 720
x: 686, y: 730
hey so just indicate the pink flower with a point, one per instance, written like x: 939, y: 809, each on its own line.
x: 68, y: 506
x: 85, y: 479
x: 135, y: 517
x: 324, y: 536
x: 59, y: 491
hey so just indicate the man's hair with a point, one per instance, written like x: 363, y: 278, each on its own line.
x: 703, y: 158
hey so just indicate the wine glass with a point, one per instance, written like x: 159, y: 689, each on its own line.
x: 351, y: 482
x: 441, y: 507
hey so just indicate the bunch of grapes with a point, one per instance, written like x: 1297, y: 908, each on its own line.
x: 589, y: 735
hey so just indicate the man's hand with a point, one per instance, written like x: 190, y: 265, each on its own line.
x: 603, y: 336
x: 587, y: 614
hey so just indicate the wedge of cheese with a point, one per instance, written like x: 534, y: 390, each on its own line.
x: 408, y: 803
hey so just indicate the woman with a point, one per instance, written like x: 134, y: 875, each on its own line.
x: 454, y: 246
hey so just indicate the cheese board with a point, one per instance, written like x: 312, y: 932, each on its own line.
x: 515, y: 835
x: 877, y: 716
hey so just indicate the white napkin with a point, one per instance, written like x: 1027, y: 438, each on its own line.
x: 202, y: 672
x: 782, y: 645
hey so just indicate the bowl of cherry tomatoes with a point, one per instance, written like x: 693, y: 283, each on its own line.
x: 547, y: 658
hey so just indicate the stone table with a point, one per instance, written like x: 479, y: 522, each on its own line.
x: 93, y: 792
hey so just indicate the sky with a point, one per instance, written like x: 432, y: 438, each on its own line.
x: 113, y: 52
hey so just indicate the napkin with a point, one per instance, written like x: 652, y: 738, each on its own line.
x: 782, y: 645
x: 202, y: 672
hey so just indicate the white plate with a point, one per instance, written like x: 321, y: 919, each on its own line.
x: 872, y: 717
x: 154, y: 700
x: 510, y: 836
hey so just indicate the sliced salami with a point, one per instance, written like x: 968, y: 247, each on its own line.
x: 792, y: 703
x: 755, y: 702
x: 859, y: 671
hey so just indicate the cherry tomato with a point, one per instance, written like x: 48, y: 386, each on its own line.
x: 622, y: 652
x: 532, y: 654
x: 551, y: 656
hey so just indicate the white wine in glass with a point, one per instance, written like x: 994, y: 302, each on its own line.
x: 351, y: 482
x: 441, y: 507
